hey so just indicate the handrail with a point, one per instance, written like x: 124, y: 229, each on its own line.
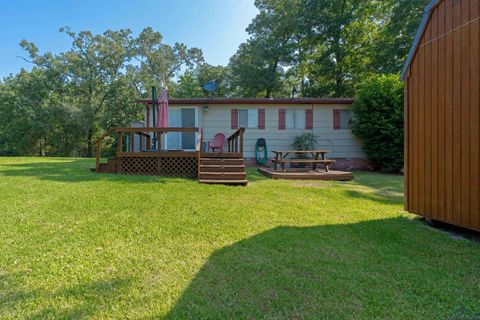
x: 103, y: 136
x: 158, y: 130
x: 143, y: 132
x: 199, y: 149
x: 235, y: 141
x: 98, y: 148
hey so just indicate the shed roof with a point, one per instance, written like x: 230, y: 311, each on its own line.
x: 418, y: 36
x: 258, y: 101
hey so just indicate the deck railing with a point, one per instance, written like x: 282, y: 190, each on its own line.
x: 235, y: 141
x: 150, y: 141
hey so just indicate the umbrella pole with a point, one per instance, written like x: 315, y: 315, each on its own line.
x: 154, y: 114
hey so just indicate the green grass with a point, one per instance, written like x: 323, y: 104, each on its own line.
x: 74, y: 244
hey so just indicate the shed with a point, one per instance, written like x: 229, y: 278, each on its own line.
x: 442, y: 133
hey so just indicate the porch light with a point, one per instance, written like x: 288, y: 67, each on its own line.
x: 205, y: 108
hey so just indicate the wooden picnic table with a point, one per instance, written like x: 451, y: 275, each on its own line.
x: 318, y: 157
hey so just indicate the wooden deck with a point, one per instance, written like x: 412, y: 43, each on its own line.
x: 306, y: 174
x: 140, y: 154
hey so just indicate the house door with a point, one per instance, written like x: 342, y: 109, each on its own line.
x: 182, y: 118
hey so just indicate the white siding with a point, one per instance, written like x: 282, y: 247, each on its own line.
x: 341, y: 143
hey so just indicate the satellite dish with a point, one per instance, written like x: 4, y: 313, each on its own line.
x: 210, y: 86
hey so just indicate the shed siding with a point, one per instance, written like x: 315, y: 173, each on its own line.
x: 341, y: 143
x: 442, y: 105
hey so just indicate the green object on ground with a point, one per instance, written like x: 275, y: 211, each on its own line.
x: 261, y: 151
x: 75, y: 244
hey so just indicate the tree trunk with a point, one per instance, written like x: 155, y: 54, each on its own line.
x: 42, y: 147
x: 90, y: 143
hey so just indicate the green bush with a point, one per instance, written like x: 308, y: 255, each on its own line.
x: 378, y: 121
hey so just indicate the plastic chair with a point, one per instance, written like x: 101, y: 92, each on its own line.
x: 217, y: 142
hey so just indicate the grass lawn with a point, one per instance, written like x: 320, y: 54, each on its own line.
x: 75, y: 244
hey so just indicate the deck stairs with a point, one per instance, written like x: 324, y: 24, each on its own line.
x: 109, y: 167
x: 222, y: 168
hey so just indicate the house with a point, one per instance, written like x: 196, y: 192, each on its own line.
x: 181, y: 149
x: 442, y: 110
x: 276, y: 120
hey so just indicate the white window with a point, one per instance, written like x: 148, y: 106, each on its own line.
x: 295, y: 119
x: 345, y: 119
x: 248, y: 118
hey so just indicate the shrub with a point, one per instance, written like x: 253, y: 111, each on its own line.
x: 378, y: 121
x: 304, y: 142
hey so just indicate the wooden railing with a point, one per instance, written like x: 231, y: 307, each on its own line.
x: 147, y: 145
x: 145, y: 132
x: 98, y: 148
x: 199, y: 149
x: 235, y: 141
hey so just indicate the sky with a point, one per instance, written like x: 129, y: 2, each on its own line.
x: 215, y: 26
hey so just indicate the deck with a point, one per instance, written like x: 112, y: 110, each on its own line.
x: 306, y: 174
x: 140, y: 152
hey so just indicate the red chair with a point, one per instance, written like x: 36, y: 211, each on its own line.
x: 217, y: 142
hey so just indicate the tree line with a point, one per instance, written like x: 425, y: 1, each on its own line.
x: 300, y: 48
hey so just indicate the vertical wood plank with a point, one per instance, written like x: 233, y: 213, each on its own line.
x: 457, y: 116
x: 474, y: 121
x: 411, y: 142
x: 465, y: 116
x: 441, y: 113
x: 421, y: 129
x: 405, y: 146
x: 416, y: 140
x: 449, y: 111
x: 457, y: 13
x: 434, y: 118
x: 427, y: 129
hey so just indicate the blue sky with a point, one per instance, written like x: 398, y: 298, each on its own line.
x: 215, y: 26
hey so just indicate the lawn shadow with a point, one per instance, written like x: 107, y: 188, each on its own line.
x: 89, y: 299
x: 382, y: 188
x: 364, y: 270
x: 75, y: 170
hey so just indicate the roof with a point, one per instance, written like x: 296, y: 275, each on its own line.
x: 210, y: 101
x: 418, y: 36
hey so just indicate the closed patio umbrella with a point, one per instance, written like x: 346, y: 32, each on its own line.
x: 163, y: 110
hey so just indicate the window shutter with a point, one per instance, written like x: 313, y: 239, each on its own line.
x: 281, y: 119
x: 234, y: 118
x: 336, y: 119
x: 261, y: 118
x: 309, y: 119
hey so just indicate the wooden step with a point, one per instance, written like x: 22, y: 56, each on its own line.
x: 227, y: 182
x: 223, y: 176
x: 219, y: 161
x: 221, y: 155
x: 222, y: 168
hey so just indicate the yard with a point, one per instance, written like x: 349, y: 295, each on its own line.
x: 76, y: 244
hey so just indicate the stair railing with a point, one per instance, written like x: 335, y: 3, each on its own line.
x: 98, y: 148
x: 199, y: 149
x: 235, y: 141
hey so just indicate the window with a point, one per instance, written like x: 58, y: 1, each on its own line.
x: 295, y: 119
x: 344, y: 119
x: 248, y: 118
x: 341, y: 119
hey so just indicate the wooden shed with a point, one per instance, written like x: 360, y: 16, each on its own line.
x: 442, y: 133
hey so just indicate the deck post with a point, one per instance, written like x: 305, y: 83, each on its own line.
x: 132, y: 142
x: 119, y: 143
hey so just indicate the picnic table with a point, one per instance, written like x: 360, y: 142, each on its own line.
x: 318, y: 157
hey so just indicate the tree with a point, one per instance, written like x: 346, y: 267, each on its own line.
x: 259, y: 65
x: 159, y: 62
x: 401, y: 20
x: 378, y: 120
x: 92, y: 72
x: 336, y: 46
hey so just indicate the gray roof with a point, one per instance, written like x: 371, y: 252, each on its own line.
x: 418, y: 36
